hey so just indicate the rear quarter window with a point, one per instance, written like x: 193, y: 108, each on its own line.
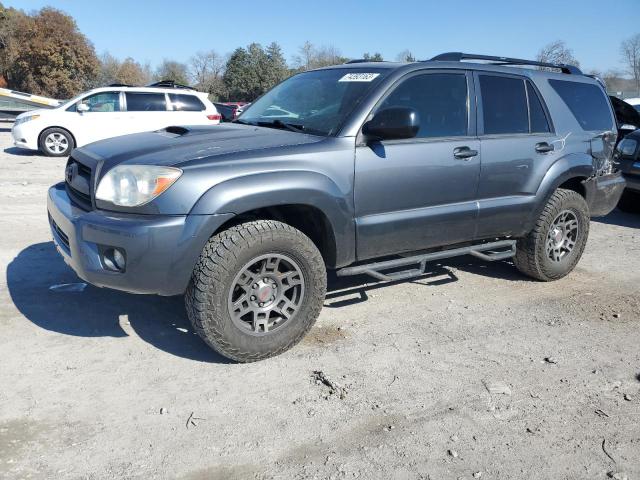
x: 186, y: 103
x: 587, y: 103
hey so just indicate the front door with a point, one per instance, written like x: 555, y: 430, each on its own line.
x: 421, y: 192
x: 102, y: 120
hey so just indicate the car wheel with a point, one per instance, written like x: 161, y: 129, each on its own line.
x: 554, y: 246
x: 256, y: 290
x: 630, y: 202
x: 56, y: 142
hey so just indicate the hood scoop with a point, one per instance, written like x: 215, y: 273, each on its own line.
x: 174, y: 131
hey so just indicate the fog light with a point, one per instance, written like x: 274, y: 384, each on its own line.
x: 114, y: 259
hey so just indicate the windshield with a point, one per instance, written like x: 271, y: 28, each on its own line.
x: 314, y: 102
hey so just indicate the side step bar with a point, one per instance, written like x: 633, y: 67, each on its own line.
x: 486, y: 251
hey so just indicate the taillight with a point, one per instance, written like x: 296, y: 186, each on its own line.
x: 217, y: 116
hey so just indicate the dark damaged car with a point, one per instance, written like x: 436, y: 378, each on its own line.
x: 362, y: 168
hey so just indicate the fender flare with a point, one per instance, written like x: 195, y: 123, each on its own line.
x: 573, y: 166
x: 272, y: 189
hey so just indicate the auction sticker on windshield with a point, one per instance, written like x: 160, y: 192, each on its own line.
x: 359, y: 77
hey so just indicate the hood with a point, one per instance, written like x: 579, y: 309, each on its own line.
x: 173, y: 146
x: 36, y: 111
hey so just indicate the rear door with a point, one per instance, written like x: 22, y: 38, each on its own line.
x: 517, y: 140
x: 420, y: 192
x: 147, y: 111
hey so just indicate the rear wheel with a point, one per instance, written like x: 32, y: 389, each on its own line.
x: 257, y: 290
x: 56, y: 142
x: 630, y: 202
x: 554, y: 246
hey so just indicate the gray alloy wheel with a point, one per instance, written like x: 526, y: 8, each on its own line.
x: 266, y: 293
x: 256, y: 290
x: 562, y: 236
x: 555, y: 244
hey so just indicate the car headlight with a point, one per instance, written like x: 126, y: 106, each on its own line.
x: 28, y: 118
x: 134, y: 185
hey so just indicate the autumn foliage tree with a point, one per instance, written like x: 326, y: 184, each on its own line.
x: 54, y: 58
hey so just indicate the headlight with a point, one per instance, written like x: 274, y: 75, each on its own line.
x: 133, y: 185
x: 26, y: 119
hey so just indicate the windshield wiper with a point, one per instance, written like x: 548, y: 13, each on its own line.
x: 280, y: 124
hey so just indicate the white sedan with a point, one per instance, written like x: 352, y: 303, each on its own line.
x: 110, y: 112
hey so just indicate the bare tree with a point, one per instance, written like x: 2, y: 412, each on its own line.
x: 557, y: 52
x: 630, y: 50
x: 405, y: 56
x: 328, y: 55
x: 306, y: 54
x: 206, y: 70
x: 309, y: 56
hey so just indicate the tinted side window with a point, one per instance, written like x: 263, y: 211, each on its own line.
x: 539, y: 122
x: 504, y: 105
x: 587, y: 102
x: 439, y: 98
x: 186, y: 103
x: 145, y: 102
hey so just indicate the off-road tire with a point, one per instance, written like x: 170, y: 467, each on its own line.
x: 222, y: 258
x: 629, y: 202
x: 60, y: 132
x: 531, y: 257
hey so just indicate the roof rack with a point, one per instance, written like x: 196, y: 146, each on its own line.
x: 170, y: 84
x: 363, y: 60
x: 118, y: 85
x: 459, y: 56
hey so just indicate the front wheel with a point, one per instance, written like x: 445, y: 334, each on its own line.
x: 554, y: 246
x: 256, y: 291
x: 56, y: 142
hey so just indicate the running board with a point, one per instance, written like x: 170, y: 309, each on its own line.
x: 484, y: 251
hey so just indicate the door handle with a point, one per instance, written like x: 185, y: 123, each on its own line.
x: 464, y: 153
x: 544, y: 147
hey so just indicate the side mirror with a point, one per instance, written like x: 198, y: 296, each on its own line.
x: 82, y: 107
x: 393, y: 123
x: 628, y: 127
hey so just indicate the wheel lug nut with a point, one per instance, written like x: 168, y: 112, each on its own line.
x: 253, y: 297
x: 255, y: 285
x: 261, y: 304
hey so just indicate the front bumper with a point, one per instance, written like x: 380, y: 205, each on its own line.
x: 23, y: 137
x: 160, y: 250
x: 603, y: 193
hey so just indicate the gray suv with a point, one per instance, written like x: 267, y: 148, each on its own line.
x: 363, y: 168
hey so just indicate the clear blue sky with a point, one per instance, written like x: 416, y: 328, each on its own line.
x: 152, y: 30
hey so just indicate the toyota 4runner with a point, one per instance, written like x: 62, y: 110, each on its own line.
x: 364, y: 168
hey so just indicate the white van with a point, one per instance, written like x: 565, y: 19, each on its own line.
x: 110, y: 112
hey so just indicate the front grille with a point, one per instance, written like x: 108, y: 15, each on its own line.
x: 78, y: 182
x: 62, y: 237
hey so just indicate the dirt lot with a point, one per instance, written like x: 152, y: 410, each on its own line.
x: 472, y: 371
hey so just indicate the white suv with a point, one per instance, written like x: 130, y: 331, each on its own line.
x: 110, y: 112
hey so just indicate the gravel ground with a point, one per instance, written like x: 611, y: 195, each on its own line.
x: 472, y: 371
